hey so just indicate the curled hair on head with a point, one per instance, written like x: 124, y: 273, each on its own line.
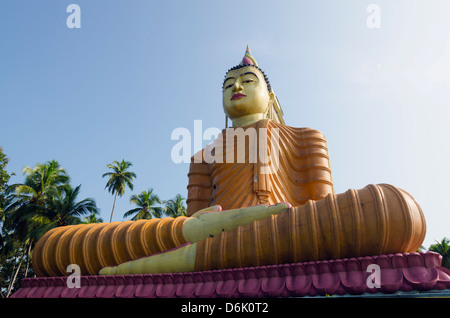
x: 266, y: 79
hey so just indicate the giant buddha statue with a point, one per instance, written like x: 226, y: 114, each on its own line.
x: 261, y: 194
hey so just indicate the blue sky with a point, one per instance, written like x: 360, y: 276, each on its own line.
x: 136, y: 70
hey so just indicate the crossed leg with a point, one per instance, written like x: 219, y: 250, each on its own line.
x: 377, y: 219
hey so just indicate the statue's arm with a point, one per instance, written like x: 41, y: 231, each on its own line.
x: 311, y: 156
x: 199, y: 188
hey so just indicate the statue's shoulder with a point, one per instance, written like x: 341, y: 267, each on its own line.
x: 303, y: 132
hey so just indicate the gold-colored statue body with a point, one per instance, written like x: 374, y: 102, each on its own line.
x: 241, y: 214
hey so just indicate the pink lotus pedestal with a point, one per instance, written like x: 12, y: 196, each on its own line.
x: 348, y: 276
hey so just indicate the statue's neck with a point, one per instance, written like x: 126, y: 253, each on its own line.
x: 247, y: 120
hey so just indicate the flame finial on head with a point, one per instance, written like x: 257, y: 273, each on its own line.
x: 248, y: 58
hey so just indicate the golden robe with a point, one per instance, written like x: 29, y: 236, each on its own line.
x: 303, y: 172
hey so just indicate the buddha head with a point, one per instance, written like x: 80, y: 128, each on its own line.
x: 246, y: 92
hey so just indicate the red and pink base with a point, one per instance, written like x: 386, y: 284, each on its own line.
x: 348, y: 276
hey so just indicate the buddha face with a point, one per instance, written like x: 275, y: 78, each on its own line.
x: 245, y: 92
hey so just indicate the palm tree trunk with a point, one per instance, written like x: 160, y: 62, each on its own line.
x: 13, y: 280
x: 14, y: 267
x: 112, y: 212
x: 28, y: 258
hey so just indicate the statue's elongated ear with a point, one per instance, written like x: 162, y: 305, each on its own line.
x: 269, y: 111
x: 272, y: 98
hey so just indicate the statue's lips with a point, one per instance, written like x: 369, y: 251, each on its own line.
x: 237, y: 96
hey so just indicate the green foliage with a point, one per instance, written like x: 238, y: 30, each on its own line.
x: 147, y: 206
x: 443, y: 248
x: 60, y: 209
x: 41, y: 182
x: 25, y: 212
x: 4, y: 178
x: 119, y: 179
x: 175, y: 207
x: 43, y: 201
x: 16, y: 261
x: 46, y: 200
x: 92, y: 218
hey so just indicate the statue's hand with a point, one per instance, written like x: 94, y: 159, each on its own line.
x: 208, y: 224
x: 214, y: 208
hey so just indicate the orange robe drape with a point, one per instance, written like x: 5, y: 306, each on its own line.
x: 303, y: 171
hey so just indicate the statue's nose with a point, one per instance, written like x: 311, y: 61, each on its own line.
x: 237, y: 86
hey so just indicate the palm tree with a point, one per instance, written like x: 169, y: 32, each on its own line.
x: 59, y: 209
x: 175, y: 207
x: 92, y: 218
x: 63, y: 209
x: 41, y: 183
x: 147, y: 207
x: 25, y: 218
x: 4, y: 178
x: 119, y: 179
x: 442, y: 248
